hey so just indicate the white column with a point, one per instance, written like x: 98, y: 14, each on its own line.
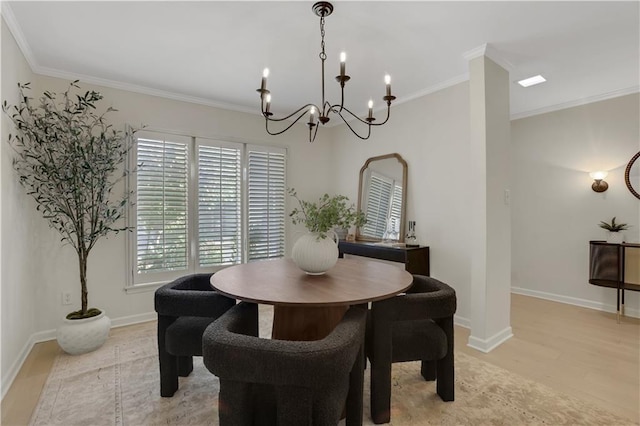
x: 490, y: 214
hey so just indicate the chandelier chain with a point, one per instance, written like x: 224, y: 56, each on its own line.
x: 322, y: 55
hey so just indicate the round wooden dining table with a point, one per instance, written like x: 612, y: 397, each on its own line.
x: 308, y: 307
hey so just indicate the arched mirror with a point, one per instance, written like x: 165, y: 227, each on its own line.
x: 632, y: 175
x: 382, y: 197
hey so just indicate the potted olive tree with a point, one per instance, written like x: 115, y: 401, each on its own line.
x: 317, y: 251
x: 69, y: 159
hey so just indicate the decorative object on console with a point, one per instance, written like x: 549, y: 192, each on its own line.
x: 632, y: 175
x: 599, y: 185
x: 314, y: 252
x: 321, y: 112
x: 411, y: 240
x: 614, y: 235
x: 66, y: 156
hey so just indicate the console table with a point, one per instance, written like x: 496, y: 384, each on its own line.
x: 607, y: 264
x: 415, y: 259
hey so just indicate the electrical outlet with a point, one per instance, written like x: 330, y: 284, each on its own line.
x: 66, y: 298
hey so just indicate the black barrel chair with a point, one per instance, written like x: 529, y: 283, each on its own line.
x: 185, y: 308
x: 279, y: 382
x: 415, y: 326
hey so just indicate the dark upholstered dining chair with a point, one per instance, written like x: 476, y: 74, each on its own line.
x: 415, y: 326
x: 279, y: 382
x: 185, y: 308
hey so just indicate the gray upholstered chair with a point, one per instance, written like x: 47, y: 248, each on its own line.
x: 416, y: 326
x: 185, y: 308
x: 278, y: 382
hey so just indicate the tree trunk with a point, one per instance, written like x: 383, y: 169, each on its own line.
x: 82, y: 259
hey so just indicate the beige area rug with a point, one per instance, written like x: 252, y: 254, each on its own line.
x: 119, y: 385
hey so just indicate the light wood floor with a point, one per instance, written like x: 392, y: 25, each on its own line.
x: 581, y: 352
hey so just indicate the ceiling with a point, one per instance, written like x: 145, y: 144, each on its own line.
x: 213, y: 52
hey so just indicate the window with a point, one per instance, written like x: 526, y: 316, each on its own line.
x: 202, y: 204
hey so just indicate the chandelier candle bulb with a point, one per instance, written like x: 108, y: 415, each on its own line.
x: 343, y: 59
x: 387, y: 81
x: 268, y: 103
x: 265, y: 74
x: 370, y: 108
x: 312, y: 115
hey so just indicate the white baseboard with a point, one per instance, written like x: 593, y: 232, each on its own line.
x: 461, y: 321
x: 133, y: 319
x: 599, y: 306
x: 44, y: 336
x: 487, y: 345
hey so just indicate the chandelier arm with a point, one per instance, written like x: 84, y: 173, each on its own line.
x: 386, y: 119
x: 349, y: 125
x: 287, y: 128
x: 341, y: 96
x: 304, y: 107
x: 312, y: 139
x: 327, y: 108
x: 338, y: 108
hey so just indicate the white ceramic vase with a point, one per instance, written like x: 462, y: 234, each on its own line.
x: 315, y: 255
x: 80, y: 336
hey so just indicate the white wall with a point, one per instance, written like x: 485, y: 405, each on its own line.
x: 432, y: 134
x: 19, y: 276
x: 555, y: 212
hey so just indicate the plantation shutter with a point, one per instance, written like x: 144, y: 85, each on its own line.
x: 266, y: 195
x: 161, y: 204
x: 396, y: 202
x: 379, y: 196
x: 219, y: 205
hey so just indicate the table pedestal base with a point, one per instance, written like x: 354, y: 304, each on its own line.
x: 305, y: 323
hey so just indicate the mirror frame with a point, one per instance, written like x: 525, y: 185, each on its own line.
x: 403, y: 163
x: 627, y: 175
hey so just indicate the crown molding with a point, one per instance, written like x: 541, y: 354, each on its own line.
x: 490, y: 52
x: 435, y: 88
x: 16, y: 31
x: 577, y: 102
x: 52, y: 72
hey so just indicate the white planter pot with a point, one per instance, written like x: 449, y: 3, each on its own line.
x: 315, y: 255
x: 615, y: 237
x: 80, y: 336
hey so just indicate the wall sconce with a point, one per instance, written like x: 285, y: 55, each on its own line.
x: 599, y: 185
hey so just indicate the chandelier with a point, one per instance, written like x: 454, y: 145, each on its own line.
x: 317, y: 114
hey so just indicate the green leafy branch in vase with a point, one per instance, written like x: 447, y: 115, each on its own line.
x: 325, y: 214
